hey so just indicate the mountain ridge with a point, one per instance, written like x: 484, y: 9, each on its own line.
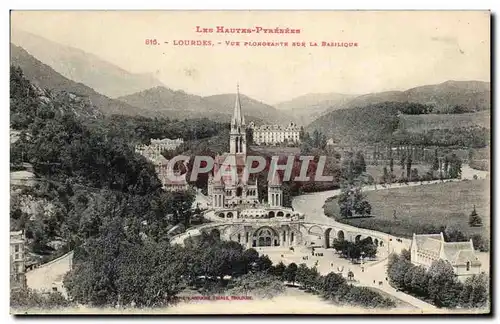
x: 83, y: 67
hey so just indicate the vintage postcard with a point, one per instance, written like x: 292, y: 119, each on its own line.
x: 250, y: 162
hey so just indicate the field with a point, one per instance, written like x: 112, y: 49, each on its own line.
x: 420, y: 123
x: 420, y: 209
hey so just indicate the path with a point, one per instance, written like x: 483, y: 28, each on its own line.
x: 312, y: 206
x: 50, y: 275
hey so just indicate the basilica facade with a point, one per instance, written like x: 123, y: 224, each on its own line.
x: 235, y: 196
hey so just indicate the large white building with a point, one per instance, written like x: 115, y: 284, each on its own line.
x: 275, y: 134
x: 427, y: 248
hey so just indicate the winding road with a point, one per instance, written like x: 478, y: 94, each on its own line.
x: 312, y: 206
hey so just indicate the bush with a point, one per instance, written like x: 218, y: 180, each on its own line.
x: 438, y: 284
x: 28, y: 299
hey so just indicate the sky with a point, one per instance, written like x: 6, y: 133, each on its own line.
x: 396, y: 50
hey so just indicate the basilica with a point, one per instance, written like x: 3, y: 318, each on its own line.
x: 236, y: 196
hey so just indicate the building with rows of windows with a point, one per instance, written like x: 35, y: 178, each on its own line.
x: 17, y: 260
x: 275, y: 134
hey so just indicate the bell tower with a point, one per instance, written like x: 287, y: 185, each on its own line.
x: 237, y: 135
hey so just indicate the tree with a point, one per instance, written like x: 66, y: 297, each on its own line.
x: 453, y: 233
x: 455, y: 169
x: 391, y: 163
x: 332, y: 282
x: 290, y: 273
x: 385, y: 176
x: 419, y: 281
x: 398, y: 270
x: 408, y: 166
x: 402, y: 160
x: 359, y: 163
x: 352, y: 200
x: 302, y: 275
x: 369, y: 249
x: 279, y: 270
x: 435, y: 162
x: 443, y: 284
x: 364, y: 208
x: 406, y: 254
x: 408, y: 277
x: 475, y: 292
x: 263, y: 263
x: 259, y: 284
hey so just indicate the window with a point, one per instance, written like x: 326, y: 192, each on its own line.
x: 16, y: 248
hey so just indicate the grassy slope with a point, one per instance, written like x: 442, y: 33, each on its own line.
x: 419, y: 207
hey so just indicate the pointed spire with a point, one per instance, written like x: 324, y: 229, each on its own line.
x: 238, y: 118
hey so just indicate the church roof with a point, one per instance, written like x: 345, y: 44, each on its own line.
x: 457, y: 253
x: 429, y: 242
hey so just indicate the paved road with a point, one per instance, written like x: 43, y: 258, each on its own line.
x: 312, y: 206
x: 50, y: 274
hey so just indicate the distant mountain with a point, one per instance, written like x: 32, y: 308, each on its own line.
x: 83, y: 67
x: 472, y: 95
x: 179, y: 104
x: 308, y: 107
x: 252, y: 108
x: 45, y: 77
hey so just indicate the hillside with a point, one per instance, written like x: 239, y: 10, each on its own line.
x: 308, y: 107
x: 421, y: 123
x: 472, y: 95
x: 460, y: 111
x: 383, y: 123
x: 80, y: 66
x: 45, y: 77
x: 372, y: 123
x: 179, y: 104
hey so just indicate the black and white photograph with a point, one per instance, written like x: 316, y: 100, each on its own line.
x: 250, y: 162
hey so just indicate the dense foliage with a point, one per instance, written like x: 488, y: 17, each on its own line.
x: 121, y: 266
x: 351, y: 200
x: 31, y: 299
x: 357, y: 249
x: 381, y: 123
x: 87, y: 169
x: 438, y: 284
x: 334, y: 287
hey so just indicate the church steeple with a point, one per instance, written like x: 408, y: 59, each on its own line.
x: 237, y: 141
x: 238, y: 118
